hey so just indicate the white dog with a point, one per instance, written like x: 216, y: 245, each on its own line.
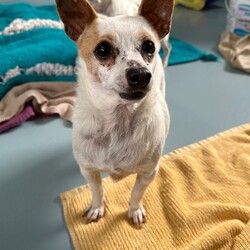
x: 121, y: 119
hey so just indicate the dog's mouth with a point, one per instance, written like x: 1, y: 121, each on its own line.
x: 132, y: 95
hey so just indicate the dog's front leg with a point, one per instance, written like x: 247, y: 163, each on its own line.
x: 136, y: 210
x: 96, y: 209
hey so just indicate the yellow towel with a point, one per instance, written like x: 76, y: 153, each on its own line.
x: 199, y: 200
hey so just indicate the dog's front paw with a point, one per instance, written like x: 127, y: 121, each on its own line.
x: 93, y: 213
x: 138, y: 215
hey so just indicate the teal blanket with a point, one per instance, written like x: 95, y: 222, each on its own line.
x: 45, y: 53
x: 9, y: 12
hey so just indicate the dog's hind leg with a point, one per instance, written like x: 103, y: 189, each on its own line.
x: 96, y: 208
x: 136, y: 210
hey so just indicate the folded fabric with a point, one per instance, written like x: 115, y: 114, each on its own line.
x: 200, y: 200
x: 29, y: 48
x: 21, y: 79
x: 34, y: 46
x: 183, y: 52
x: 236, y: 50
x: 27, y: 113
x: 10, y: 12
x: 45, y: 97
x: 46, y: 54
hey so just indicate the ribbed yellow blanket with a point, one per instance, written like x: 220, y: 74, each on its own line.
x: 199, y: 200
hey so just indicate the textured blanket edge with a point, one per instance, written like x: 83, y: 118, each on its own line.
x: 66, y: 196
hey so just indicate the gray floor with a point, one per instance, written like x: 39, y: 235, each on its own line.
x: 36, y: 162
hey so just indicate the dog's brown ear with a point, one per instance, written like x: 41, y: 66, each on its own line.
x: 76, y: 15
x: 159, y: 14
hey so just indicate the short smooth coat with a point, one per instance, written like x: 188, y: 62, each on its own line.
x: 111, y: 135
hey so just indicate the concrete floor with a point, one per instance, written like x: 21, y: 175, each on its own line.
x: 36, y: 162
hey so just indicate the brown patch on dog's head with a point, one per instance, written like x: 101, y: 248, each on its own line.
x: 159, y: 14
x: 76, y: 16
x: 87, y: 47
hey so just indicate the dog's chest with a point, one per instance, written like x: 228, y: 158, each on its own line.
x: 116, y: 145
x: 113, y: 150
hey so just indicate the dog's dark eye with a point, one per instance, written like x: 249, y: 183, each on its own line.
x: 103, y: 50
x: 148, y: 47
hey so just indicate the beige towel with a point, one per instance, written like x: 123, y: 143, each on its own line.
x: 236, y: 50
x: 200, y: 200
x: 46, y: 97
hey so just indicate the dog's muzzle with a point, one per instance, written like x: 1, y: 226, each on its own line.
x: 138, y: 77
x: 138, y: 80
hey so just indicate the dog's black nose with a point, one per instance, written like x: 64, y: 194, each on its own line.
x: 138, y: 77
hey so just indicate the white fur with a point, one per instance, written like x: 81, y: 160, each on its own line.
x: 115, y: 135
x: 116, y: 7
x: 95, y: 111
x: 97, y: 104
x: 126, y: 41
